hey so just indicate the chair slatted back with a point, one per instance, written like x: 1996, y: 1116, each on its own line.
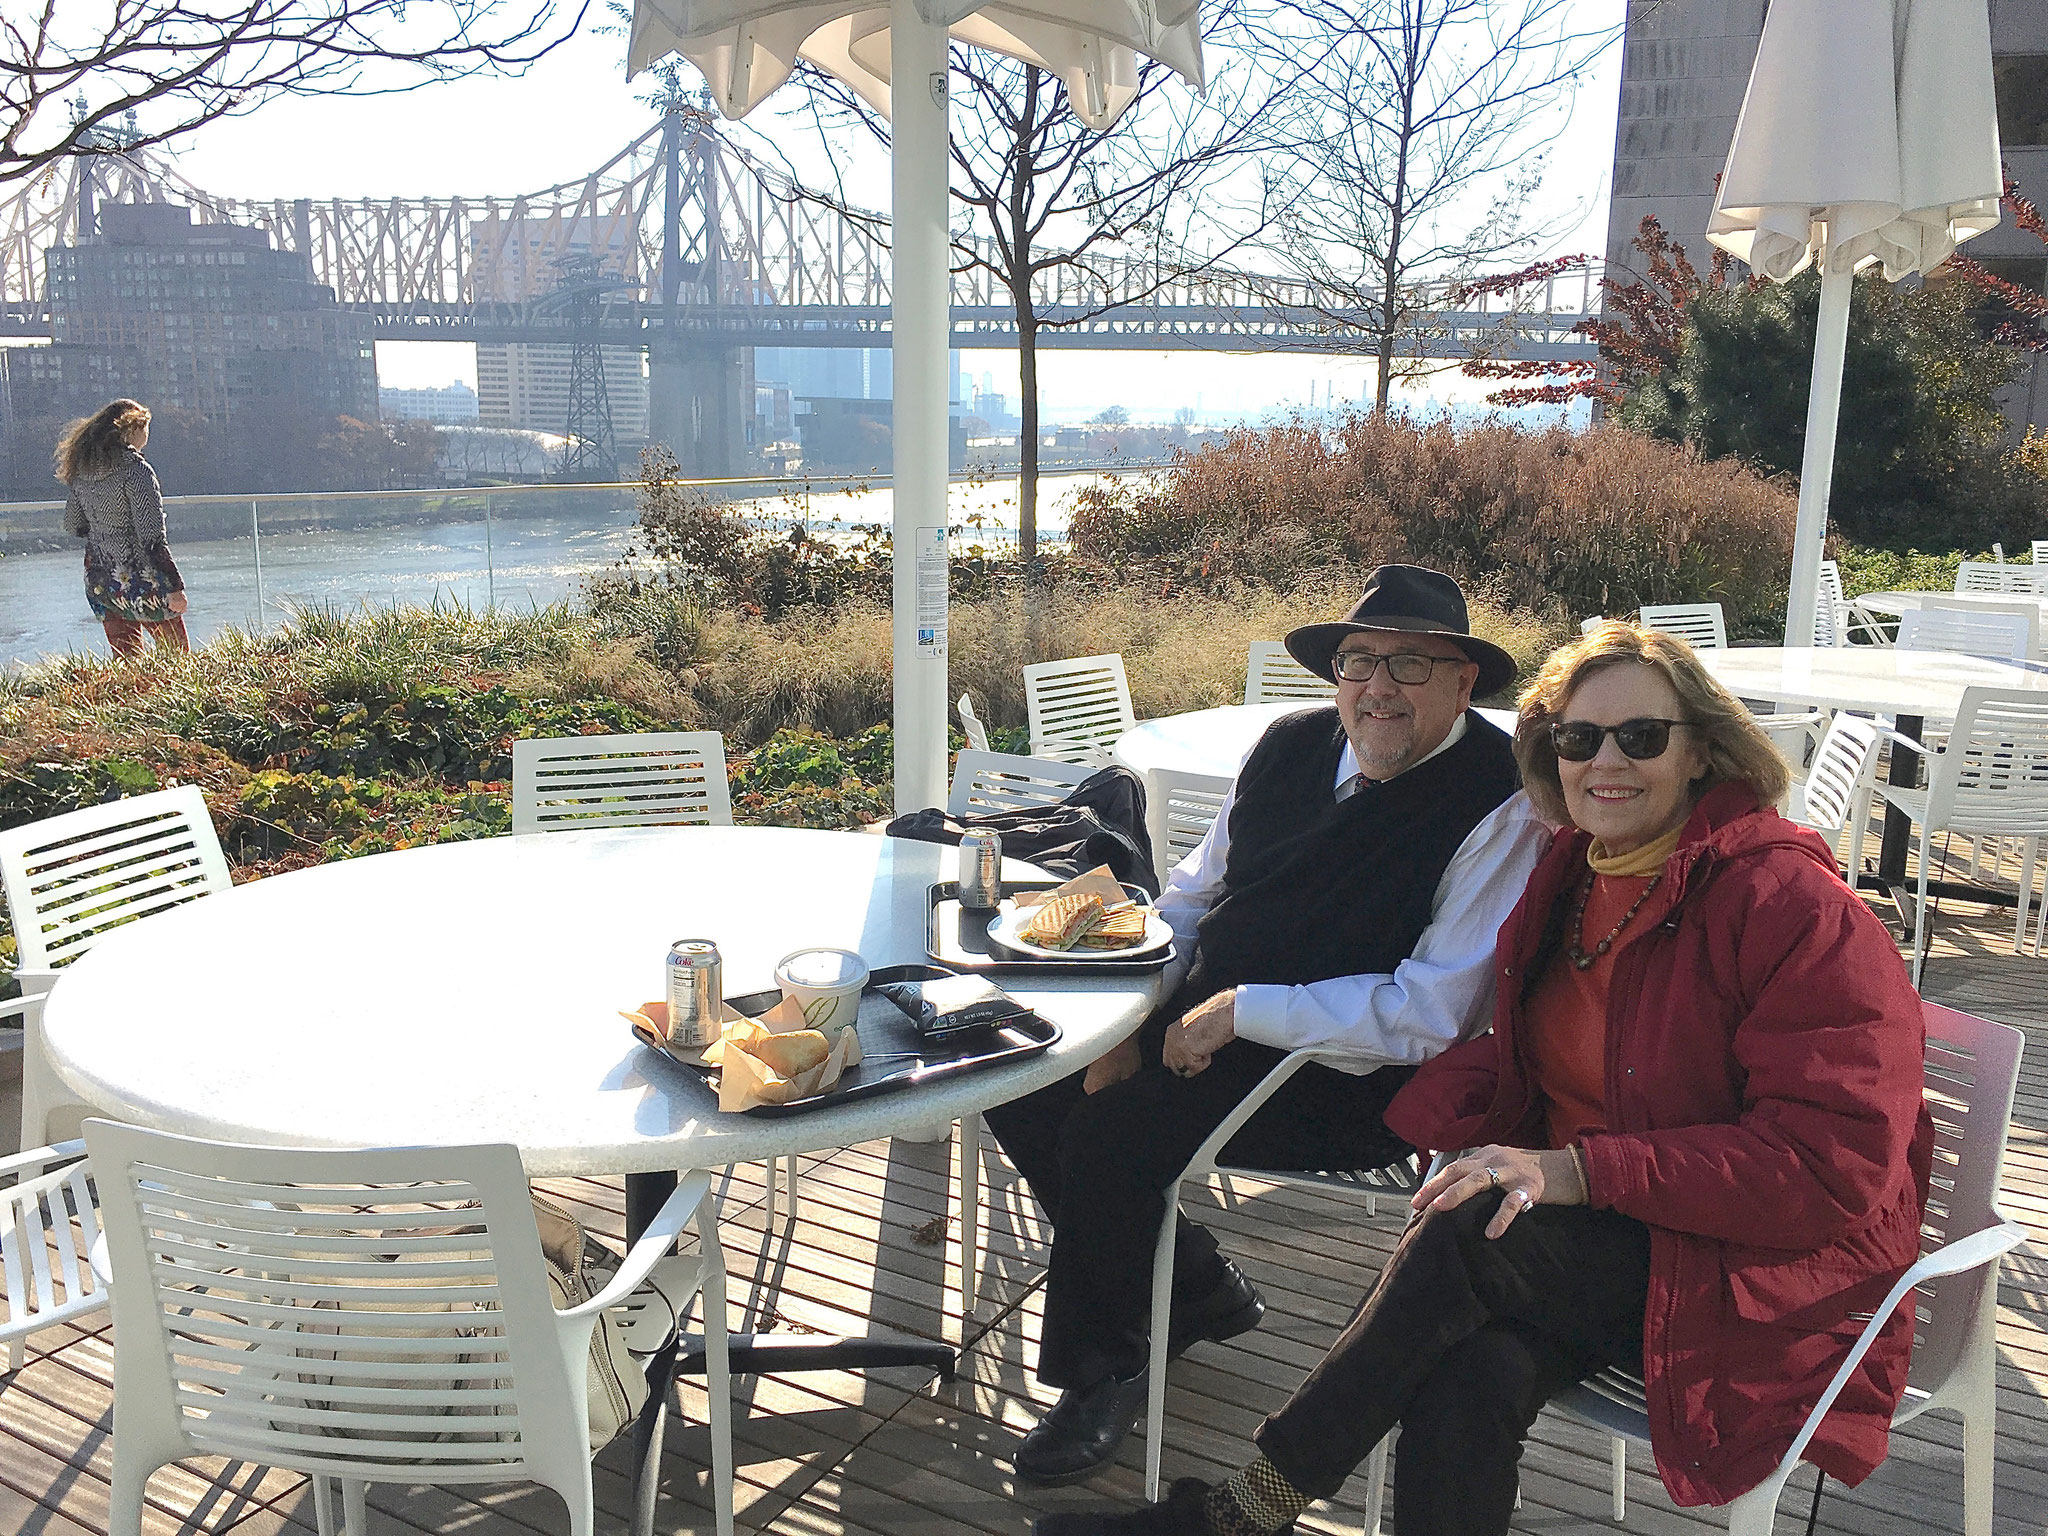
x: 1271, y: 676
x: 1699, y: 625
x: 2026, y: 609
x: 1991, y: 576
x: 48, y: 1277
x: 1835, y: 783
x: 1831, y: 607
x: 653, y: 779
x: 1179, y: 810
x: 335, y: 1312
x: 971, y: 726
x: 1077, y: 708
x: 1973, y: 1069
x: 1993, y: 775
x: 987, y: 782
x: 2040, y: 559
x: 1965, y: 632
x: 71, y: 878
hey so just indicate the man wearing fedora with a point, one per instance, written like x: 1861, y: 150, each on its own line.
x: 1348, y: 895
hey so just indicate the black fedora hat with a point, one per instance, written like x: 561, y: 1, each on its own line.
x: 1407, y: 599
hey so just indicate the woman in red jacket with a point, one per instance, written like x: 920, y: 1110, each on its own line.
x: 1699, y: 1143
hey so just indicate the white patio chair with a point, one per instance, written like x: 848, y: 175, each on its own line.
x: 1403, y: 1179
x: 2040, y: 558
x: 2025, y: 609
x: 2001, y: 636
x: 1077, y: 708
x: 1699, y: 625
x: 1973, y: 1068
x: 48, y: 1225
x: 1836, y: 794
x: 71, y: 879
x: 319, y: 1311
x: 986, y: 782
x: 1991, y: 576
x: 983, y: 783
x: 1991, y: 780
x: 1179, y: 808
x: 971, y: 726
x: 650, y: 779
x: 1271, y: 676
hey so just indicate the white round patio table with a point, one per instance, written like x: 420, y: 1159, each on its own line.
x: 470, y: 993
x: 1214, y: 741
x: 1896, y: 603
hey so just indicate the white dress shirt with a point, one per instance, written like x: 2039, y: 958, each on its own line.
x: 1441, y: 994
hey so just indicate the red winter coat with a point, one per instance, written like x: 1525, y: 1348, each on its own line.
x: 1764, y: 1079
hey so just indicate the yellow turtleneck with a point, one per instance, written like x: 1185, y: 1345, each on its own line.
x: 1646, y: 860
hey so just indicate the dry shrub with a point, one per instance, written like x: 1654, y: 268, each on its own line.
x: 1559, y: 523
x: 607, y: 669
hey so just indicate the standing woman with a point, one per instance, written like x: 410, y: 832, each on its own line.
x: 117, y: 507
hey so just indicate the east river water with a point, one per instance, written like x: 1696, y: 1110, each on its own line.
x: 536, y: 555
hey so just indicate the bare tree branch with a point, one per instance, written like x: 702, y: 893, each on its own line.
x: 1423, y: 128
x: 77, y: 80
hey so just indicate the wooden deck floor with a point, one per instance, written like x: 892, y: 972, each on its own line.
x: 893, y: 1453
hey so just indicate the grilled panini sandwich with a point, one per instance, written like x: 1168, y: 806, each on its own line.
x: 1117, y: 930
x: 1060, y: 922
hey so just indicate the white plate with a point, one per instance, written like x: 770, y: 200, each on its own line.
x: 1003, y: 929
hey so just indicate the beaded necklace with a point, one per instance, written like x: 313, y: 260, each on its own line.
x: 1575, y: 950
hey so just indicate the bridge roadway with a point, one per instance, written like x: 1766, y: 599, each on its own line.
x: 1530, y: 337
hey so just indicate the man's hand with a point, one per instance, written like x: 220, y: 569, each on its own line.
x: 176, y: 601
x: 1104, y: 1071
x: 1200, y: 1033
x: 1523, y: 1178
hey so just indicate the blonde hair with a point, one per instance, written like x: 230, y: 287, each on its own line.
x: 91, y: 446
x: 1737, y: 749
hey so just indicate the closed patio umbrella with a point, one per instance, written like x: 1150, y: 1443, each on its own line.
x: 1869, y: 135
x: 745, y: 49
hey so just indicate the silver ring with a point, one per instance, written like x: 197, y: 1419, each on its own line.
x: 1492, y: 1176
x: 1521, y: 1197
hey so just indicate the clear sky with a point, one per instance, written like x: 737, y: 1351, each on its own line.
x: 574, y: 110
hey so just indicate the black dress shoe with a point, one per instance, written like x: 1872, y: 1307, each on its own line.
x: 1081, y: 1431
x: 1178, y: 1514
x: 1232, y: 1307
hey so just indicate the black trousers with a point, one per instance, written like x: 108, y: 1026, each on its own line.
x: 1461, y: 1343
x: 1099, y: 1165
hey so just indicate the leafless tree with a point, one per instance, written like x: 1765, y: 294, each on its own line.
x: 79, y: 75
x: 1423, y: 128
x: 1068, y: 222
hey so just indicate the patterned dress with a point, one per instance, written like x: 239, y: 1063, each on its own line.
x: 129, y: 572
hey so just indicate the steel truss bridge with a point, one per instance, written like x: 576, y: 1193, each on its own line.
x: 710, y: 251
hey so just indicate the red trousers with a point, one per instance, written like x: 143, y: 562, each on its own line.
x: 125, y: 635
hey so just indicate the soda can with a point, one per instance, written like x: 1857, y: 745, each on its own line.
x: 981, y: 871
x: 695, y: 990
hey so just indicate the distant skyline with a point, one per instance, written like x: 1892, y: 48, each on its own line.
x: 478, y: 138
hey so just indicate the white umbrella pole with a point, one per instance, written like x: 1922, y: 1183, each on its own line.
x: 920, y: 319
x: 1817, y: 468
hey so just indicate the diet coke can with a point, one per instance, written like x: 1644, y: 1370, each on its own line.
x: 981, y: 871
x: 695, y: 988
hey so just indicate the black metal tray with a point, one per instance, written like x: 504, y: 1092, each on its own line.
x: 897, y: 1056
x: 958, y: 939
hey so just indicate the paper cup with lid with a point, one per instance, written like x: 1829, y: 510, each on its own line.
x: 826, y: 984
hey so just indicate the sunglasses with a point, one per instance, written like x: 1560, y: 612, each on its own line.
x: 1579, y: 741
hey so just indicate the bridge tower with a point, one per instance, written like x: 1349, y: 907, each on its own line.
x: 592, y: 450
x: 697, y: 391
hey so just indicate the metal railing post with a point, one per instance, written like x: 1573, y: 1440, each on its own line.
x: 256, y: 545
x: 490, y: 566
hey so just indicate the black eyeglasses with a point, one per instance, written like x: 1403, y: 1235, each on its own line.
x: 1578, y: 741
x: 1403, y: 667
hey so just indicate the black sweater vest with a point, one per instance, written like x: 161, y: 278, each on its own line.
x: 1314, y: 887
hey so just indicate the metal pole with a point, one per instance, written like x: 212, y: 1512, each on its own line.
x: 256, y: 542
x: 490, y: 567
x: 920, y: 319
x: 1817, y: 468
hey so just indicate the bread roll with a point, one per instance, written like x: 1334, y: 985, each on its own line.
x: 797, y: 1050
